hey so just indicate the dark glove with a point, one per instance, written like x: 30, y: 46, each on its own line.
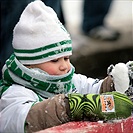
x: 107, y: 85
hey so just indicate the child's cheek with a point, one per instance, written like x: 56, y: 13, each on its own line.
x: 51, y: 71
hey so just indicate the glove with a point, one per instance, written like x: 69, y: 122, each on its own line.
x: 107, y: 85
x: 108, y: 106
x: 47, y: 113
x: 94, y: 107
x: 120, y: 76
x: 76, y: 102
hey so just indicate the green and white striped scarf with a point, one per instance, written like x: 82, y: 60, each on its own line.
x: 35, y: 79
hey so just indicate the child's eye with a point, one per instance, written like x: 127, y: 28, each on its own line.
x: 66, y: 58
x: 55, y: 60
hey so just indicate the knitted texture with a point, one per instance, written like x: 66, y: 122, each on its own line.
x: 39, y: 36
x: 36, y: 79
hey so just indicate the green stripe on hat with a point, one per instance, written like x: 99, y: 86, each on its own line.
x: 65, y: 42
x: 45, y: 55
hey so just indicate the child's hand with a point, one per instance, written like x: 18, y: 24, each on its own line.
x: 48, y: 113
x: 107, y: 85
x: 120, y: 74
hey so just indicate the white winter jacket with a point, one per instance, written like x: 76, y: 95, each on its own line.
x: 17, y: 100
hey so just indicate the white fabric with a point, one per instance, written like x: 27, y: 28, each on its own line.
x: 39, y: 27
x: 120, y: 77
x: 17, y: 100
x: 14, y: 107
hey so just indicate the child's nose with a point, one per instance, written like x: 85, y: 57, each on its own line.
x: 63, y: 66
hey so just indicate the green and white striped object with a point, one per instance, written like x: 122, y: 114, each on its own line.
x: 39, y: 36
x: 44, y: 53
x: 35, y: 79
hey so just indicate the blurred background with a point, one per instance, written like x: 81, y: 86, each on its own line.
x: 90, y: 56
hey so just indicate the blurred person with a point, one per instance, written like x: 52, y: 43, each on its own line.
x: 40, y: 88
x: 93, y: 25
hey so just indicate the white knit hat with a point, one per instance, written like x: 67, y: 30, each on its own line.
x: 39, y: 36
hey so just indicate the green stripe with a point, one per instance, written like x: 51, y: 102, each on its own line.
x: 92, y: 102
x: 43, y: 48
x: 124, y: 98
x: 65, y: 78
x: 44, y: 55
x: 7, y: 78
x: 40, y: 98
x: 76, y: 105
x: 4, y: 88
x: 120, y: 96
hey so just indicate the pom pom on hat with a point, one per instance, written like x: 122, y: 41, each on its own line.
x: 39, y: 36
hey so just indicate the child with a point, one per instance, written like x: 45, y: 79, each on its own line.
x: 39, y: 88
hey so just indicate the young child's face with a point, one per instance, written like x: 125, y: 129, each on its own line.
x: 58, y: 66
